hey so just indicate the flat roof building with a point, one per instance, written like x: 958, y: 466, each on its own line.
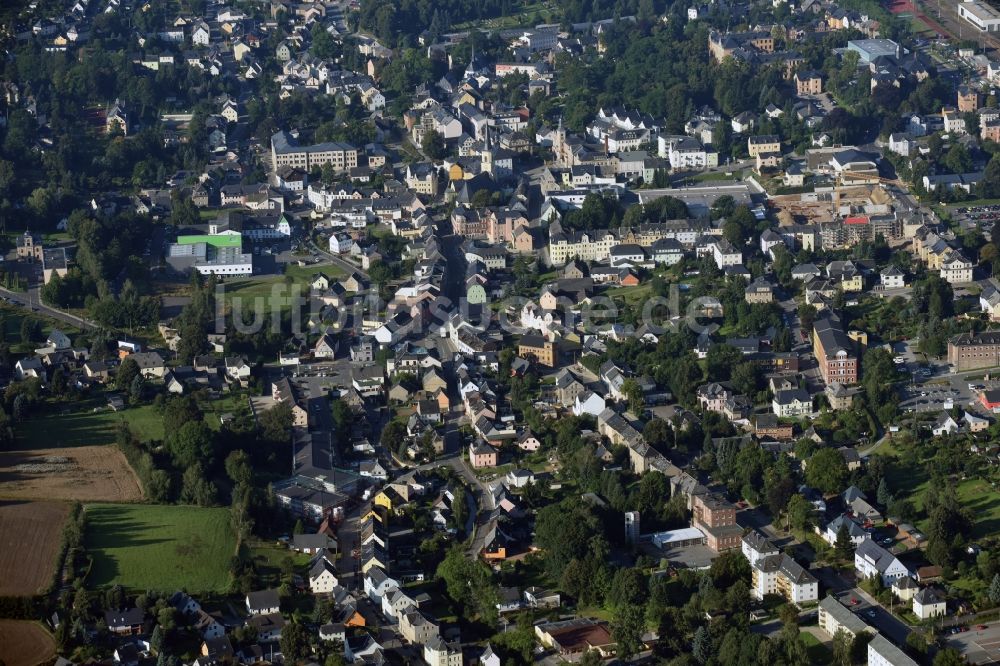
x: 870, y: 49
x: 982, y: 16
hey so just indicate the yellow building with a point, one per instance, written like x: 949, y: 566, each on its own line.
x: 766, y: 143
x: 389, y: 499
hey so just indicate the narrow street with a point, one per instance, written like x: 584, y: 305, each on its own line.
x: 32, y: 300
x: 336, y: 260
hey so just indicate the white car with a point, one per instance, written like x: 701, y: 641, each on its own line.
x: 899, y: 360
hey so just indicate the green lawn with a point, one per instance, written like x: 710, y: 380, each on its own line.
x: 818, y: 653
x: 303, y: 274
x: 275, y: 292
x: 976, y: 494
x: 973, y: 202
x: 165, y: 548
x: 13, y: 316
x: 984, y: 502
x: 87, y: 428
x: 269, y: 556
x: 634, y: 296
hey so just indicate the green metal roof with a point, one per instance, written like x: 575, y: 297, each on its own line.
x: 215, y: 241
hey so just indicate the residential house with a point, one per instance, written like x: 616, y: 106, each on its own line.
x: 263, y: 602
x: 438, y: 652
x: 871, y: 559
x: 482, y: 455
x: 127, y: 622
x: 928, y: 604
x: 780, y: 574
x: 416, y: 628
x: 322, y: 576
x: 268, y: 626
x: 833, y: 616
x: 755, y: 546
x: 792, y: 403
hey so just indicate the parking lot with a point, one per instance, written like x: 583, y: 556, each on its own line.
x: 982, y: 217
x: 979, y: 646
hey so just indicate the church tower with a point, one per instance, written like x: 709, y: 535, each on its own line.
x: 486, y: 157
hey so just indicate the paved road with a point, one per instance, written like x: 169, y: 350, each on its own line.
x: 336, y: 260
x: 481, y: 499
x: 32, y: 300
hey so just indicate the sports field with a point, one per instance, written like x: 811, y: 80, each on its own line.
x: 146, y: 547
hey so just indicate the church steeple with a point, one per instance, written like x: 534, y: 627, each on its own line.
x: 486, y: 157
x: 470, y: 70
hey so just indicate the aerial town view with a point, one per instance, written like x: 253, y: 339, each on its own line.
x: 499, y: 332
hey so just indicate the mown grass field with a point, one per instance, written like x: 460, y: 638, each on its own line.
x: 976, y: 494
x: 13, y: 316
x: 83, y: 427
x: 145, y: 547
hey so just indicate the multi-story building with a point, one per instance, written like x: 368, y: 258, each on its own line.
x: 834, y: 350
x: 686, y: 152
x: 971, y: 351
x: 759, y: 291
x: 716, y: 518
x: 592, y: 245
x: 871, y: 559
x: 726, y: 254
x: 955, y: 268
x: 416, y: 628
x: 422, y: 178
x: 791, y: 403
x: 596, y: 244
x: 968, y: 99
x: 756, y: 546
x: 286, y: 151
x: 780, y: 574
x: 883, y: 653
x: 438, y: 652
x: 537, y: 347
x: 808, y: 83
x: 763, y: 144
x: 834, y: 617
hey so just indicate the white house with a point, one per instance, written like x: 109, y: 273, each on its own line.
x: 438, y: 652
x: 883, y: 653
x: 395, y: 602
x: 892, y: 278
x: 340, y: 243
x: 378, y: 584
x: 871, y: 559
x: 791, y: 403
x: 945, y: 425
x: 780, y: 574
x: 901, y: 143
x: 956, y: 269
x: 768, y: 240
x: 755, y: 546
x: 29, y: 368
x: 855, y: 532
x: 322, y: 577
x: 725, y: 254
x: 686, y: 152
x: 588, y: 403
x: 263, y: 602
x: 927, y: 604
